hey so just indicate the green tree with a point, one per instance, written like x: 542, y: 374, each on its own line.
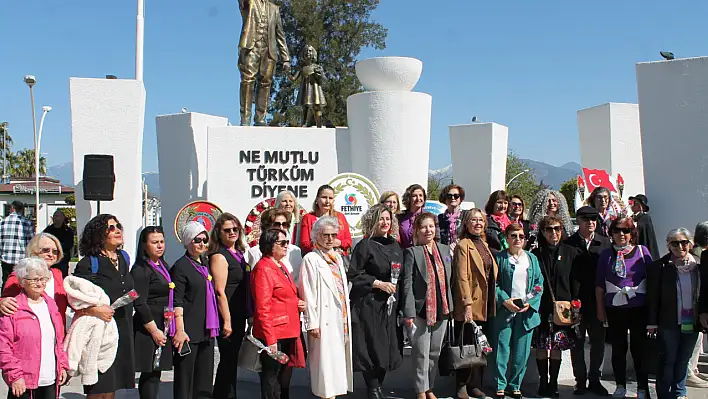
x: 21, y: 163
x: 70, y: 199
x: 7, y: 139
x: 525, y: 184
x: 568, y: 189
x: 338, y: 30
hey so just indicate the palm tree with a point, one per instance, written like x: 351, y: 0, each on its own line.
x: 21, y: 164
x: 8, y: 140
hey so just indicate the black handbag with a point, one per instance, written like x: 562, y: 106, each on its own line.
x: 456, y: 355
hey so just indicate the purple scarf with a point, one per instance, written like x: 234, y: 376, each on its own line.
x: 212, y: 315
x: 160, y: 268
x: 238, y: 255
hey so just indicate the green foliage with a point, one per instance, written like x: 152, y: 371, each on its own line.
x: 70, y: 199
x: 21, y: 163
x: 338, y: 30
x: 524, y: 185
x: 568, y: 189
x: 434, y: 188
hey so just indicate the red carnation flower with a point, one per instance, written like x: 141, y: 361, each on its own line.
x: 576, y: 303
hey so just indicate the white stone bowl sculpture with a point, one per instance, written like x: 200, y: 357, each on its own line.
x: 389, y: 73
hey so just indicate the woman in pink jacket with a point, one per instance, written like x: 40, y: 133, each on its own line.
x: 32, y: 358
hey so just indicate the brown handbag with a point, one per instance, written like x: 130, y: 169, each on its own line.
x: 562, y: 310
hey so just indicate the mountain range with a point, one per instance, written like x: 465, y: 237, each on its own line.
x: 554, y: 176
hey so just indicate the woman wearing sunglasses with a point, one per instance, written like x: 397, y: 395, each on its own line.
x: 278, y: 219
x: 154, y: 284
x: 196, y: 316
x: 672, y: 299
x: 231, y: 281
x: 450, y: 221
x: 101, y: 240
x: 47, y: 247
x: 519, y: 290
x: 620, y: 291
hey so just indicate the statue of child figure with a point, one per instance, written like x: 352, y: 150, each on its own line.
x: 310, y: 96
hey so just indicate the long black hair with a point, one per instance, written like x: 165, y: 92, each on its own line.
x: 141, y: 255
x: 93, y: 238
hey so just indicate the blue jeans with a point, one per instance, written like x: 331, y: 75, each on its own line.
x: 676, y: 351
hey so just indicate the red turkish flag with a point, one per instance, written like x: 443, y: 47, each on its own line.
x: 597, y: 178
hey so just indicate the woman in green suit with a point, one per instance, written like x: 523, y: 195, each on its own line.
x: 519, y: 288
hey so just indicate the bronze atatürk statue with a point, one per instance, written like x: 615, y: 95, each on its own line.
x: 310, y: 96
x: 262, y: 42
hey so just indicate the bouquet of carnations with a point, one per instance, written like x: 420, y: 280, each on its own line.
x: 575, y: 305
x: 278, y: 356
x: 128, y: 298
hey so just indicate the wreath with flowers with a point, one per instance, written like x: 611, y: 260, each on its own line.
x: 252, y: 227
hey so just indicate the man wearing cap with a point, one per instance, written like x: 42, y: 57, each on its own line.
x: 589, y: 246
x: 645, y: 227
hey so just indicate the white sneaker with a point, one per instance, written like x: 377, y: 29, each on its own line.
x: 641, y: 394
x: 620, y: 392
x: 682, y: 397
x: 694, y: 381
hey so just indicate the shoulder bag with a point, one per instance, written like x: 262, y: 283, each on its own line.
x: 562, y: 310
x: 457, y: 355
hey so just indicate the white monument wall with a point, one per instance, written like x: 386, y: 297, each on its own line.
x: 182, y: 161
x: 610, y: 140
x: 478, y: 153
x: 246, y: 165
x: 390, y: 137
x: 673, y: 103
x: 107, y: 117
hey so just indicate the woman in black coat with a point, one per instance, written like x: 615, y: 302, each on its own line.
x: 154, y: 284
x: 557, y: 263
x: 450, y: 221
x: 231, y: 283
x: 101, y: 239
x: 497, y: 220
x: 196, y: 317
x: 375, y: 335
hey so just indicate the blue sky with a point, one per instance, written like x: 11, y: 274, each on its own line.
x: 528, y: 65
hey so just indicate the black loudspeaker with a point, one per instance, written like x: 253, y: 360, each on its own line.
x: 99, y: 178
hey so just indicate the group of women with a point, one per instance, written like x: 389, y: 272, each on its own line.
x: 526, y: 283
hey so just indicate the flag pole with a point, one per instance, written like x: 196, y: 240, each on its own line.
x: 140, y: 39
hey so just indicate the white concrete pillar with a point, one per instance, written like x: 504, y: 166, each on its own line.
x: 107, y: 117
x: 673, y: 99
x: 389, y: 125
x: 478, y: 153
x: 610, y: 140
x: 182, y: 158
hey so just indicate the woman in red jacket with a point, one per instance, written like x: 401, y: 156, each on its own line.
x: 47, y: 247
x: 276, y: 319
x: 324, y: 205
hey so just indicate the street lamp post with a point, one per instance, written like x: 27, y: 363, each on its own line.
x: 4, y: 126
x: 45, y: 111
x: 30, y: 81
x: 517, y: 175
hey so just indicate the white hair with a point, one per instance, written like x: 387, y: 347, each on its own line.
x: 27, y: 267
x: 321, y: 223
x: 539, y: 209
x: 681, y: 231
x: 296, y: 208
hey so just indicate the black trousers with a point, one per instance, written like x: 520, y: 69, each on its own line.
x: 272, y: 372
x: 227, y: 372
x: 620, y: 320
x: 194, y: 372
x: 596, y: 332
x: 48, y: 392
x: 6, y: 270
x: 149, y: 385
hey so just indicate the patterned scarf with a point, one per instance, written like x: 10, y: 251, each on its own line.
x: 620, y: 268
x: 502, y: 220
x: 331, y: 259
x: 452, y: 223
x: 431, y: 296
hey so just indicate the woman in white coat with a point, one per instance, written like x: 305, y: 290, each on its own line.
x: 324, y: 288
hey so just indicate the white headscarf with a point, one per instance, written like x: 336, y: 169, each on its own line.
x: 190, y: 231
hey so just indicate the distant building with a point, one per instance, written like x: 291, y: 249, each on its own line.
x: 52, y: 195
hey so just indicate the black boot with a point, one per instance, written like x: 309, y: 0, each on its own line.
x: 375, y: 393
x: 542, y: 365
x: 553, y: 384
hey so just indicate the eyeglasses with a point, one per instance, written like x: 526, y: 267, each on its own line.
x: 282, y: 243
x: 453, y: 196
x: 623, y: 230
x: 517, y: 237
x: 550, y: 229
x: 37, y: 280
x: 113, y: 227
x: 198, y: 240
x: 683, y: 243
x: 281, y: 224
x: 515, y: 204
x: 587, y: 220
x: 231, y: 230
x: 49, y: 250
